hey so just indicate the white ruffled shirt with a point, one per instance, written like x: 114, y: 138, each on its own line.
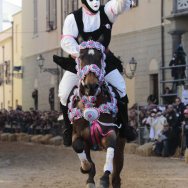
x: 91, y: 23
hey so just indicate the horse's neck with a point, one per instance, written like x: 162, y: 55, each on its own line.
x: 102, y: 98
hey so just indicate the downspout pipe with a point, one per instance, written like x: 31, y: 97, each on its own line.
x: 162, y: 45
x: 12, y: 64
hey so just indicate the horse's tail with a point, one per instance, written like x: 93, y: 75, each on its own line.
x: 66, y: 63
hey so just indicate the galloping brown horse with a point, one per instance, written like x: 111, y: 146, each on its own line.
x: 93, y: 113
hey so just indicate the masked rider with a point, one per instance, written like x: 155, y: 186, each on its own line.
x: 91, y: 22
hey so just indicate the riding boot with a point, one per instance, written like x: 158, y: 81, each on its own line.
x: 67, y: 128
x: 126, y: 131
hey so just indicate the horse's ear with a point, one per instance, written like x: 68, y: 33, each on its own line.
x: 80, y: 39
x: 101, y: 39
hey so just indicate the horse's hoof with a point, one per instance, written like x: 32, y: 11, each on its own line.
x: 90, y: 185
x: 104, y: 182
x: 84, y: 171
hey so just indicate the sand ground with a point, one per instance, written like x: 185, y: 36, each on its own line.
x: 26, y: 165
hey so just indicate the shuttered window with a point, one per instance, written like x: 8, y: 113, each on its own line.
x: 70, y: 6
x: 35, y: 17
x: 51, y: 15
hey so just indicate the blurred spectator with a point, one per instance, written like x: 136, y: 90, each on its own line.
x: 185, y: 127
x: 132, y: 116
x: 31, y: 122
x: 168, y: 99
x: 51, y: 98
x: 162, y: 144
x: 172, y: 120
x: 35, y: 98
x: 161, y: 121
x: 179, y: 58
x: 179, y: 108
x: 152, y: 121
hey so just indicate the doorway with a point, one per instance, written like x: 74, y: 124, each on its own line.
x: 154, y: 85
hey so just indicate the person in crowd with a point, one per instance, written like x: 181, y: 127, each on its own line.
x: 185, y: 128
x: 174, y: 71
x: 162, y: 144
x: 178, y: 73
x: 160, y: 123
x: 94, y: 22
x: 145, y: 115
x: 2, y: 121
x: 51, y: 98
x: 152, y: 102
x: 179, y: 108
x: 35, y: 98
x: 152, y: 121
x: 132, y: 116
x: 172, y: 120
x: 168, y: 99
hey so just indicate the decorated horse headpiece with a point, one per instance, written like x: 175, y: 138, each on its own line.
x: 83, y: 71
x: 91, y: 113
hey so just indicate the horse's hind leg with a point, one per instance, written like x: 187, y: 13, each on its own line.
x: 118, y: 162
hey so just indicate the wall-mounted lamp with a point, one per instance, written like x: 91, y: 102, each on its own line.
x: 40, y: 60
x: 132, y: 66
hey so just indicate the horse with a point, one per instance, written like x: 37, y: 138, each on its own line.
x: 92, y: 110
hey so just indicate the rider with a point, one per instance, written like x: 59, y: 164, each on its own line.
x: 91, y: 22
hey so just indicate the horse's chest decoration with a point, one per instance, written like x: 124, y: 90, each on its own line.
x: 91, y: 113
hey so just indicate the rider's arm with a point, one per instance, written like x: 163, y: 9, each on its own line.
x: 70, y: 32
x: 114, y: 8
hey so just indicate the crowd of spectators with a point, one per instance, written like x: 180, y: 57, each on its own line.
x: 166, y: 126
x: 30, y: 122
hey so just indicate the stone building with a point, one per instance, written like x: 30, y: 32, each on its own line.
x: 149, y: 32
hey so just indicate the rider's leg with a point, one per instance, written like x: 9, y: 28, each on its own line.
x: 117, y: 80
x: 68, y: 81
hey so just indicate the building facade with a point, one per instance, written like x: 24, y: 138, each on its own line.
x: 145, y: 33
x: 11, y: 64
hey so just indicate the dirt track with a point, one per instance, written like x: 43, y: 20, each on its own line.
x: 38, y: 166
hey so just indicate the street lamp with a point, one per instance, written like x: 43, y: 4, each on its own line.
x: 40, y: 60
x: 132, y: 66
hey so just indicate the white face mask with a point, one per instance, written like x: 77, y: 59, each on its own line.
x: 94, y: 4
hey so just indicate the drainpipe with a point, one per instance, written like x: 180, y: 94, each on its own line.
x: 3, y: 51
x: 162, y: 45
x: 12, y: 64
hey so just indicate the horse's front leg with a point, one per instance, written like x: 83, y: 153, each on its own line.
x: 118, y: 162
x: 87, y: 166
x: 109, y: 142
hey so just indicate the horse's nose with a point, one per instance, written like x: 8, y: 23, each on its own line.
x: 91, y: 89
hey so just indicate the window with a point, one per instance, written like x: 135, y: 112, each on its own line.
x: 154, y: 85
x: 7, y: 72
x: 1, y: 73
x: 51, y: 15
x: 70, y: 6
x: 35, y: 17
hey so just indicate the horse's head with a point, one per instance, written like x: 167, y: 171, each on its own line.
x: 91, y: 67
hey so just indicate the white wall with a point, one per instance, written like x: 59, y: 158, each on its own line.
x: 1, y: 15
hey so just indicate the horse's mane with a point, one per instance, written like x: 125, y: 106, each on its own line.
x: 90, y: 56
